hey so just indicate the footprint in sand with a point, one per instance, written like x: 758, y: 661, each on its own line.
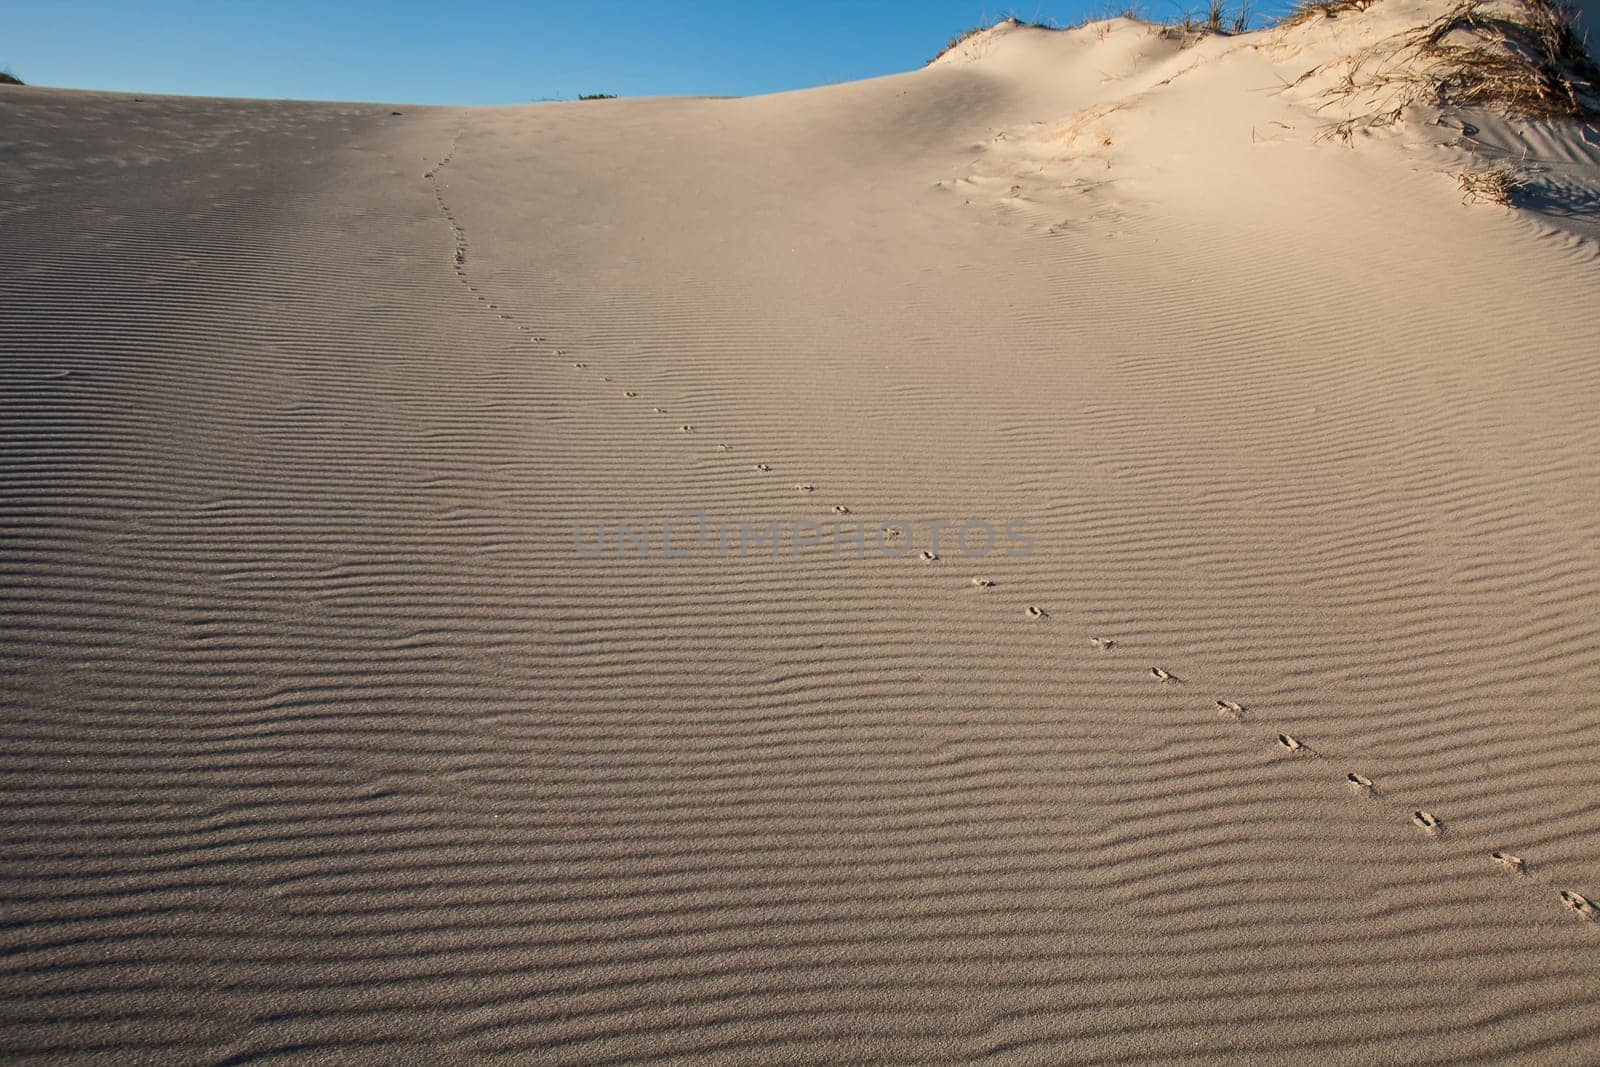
x: 983, y: 583
x: 1514, y: 864
x: 581, y: 366
x: 929, y: 557
x: 840, y: 509
x: 630, y: 394
x: 805, y: 487
x: 724, y: 448
x: 1360, y: 784
x: 1227, y: 709
x: 686, y: 428
x: 1579, y: 905
x: 1037, y: 613
x: 1165, y: 677
x: 661, y: 411
x: 1104, y: 644
x: 1427, y: 822
x: 1293, y: 744
x: 763, y: 467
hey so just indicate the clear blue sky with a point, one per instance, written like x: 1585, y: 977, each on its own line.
x: 485, y: 51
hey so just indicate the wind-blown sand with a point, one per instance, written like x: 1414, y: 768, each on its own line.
x: 323, y: 741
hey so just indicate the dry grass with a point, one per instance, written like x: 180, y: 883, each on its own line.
x: 1497, y: 185
x: 1328, y: 9
x: 1216, y: 21
x: 1220, y: 17
x: 958, y: 40
x: 1219, y: 21
x: 965, y: 35
x: 1532, y: 63
x: 1532, y: 66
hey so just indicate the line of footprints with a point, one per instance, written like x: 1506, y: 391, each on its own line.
x: 1360, y: 785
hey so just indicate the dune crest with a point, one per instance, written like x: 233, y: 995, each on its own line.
x: 1498, y: 95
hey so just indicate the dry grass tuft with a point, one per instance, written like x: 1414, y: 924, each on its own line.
x: 1532, y: 63
x: 1497, y: 185
x: 1217, y: 21
x: 958, y: 40
x: 1222, y: 17
x: 966, y: 35
x: 1328, y: 9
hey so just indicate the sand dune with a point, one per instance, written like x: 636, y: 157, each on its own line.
x: 324, y: 738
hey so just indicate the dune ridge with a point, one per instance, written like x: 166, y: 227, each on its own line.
x: 322, y: 739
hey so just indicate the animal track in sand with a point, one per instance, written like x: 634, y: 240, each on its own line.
x: 1514, y: 864
x: 1427, y: 821
x: 1228, y: 709
x: 1358, y: 784
x: 459, y: 240
x: 1423, y: 819
x: 1579, y: 905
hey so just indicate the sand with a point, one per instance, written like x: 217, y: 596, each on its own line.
x: 325, y: 741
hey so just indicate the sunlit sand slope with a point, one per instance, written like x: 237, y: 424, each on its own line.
x: 324, y: 737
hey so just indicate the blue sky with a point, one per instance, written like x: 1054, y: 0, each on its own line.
x: 484, y: 51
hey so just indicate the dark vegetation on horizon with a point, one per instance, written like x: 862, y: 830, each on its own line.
x: 598, y: 96
x: 8, y: 78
